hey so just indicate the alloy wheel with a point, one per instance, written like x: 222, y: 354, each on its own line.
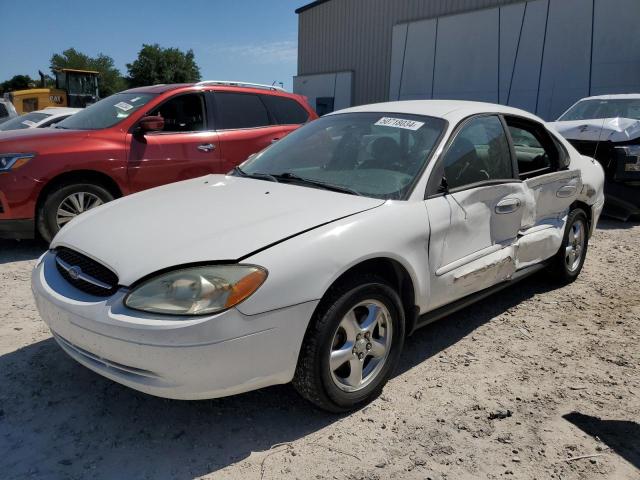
x: 74, y: 205
x: 575, y: 245
x: 361, y: 345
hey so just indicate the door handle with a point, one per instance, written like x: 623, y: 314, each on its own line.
x: 206, y: 147
x: 566, y: 191
x: 508, y: 205
x: 274, y: 140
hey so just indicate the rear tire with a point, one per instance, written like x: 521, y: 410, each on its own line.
x: 65, y: 203
x: 568, y: 262
x: 336, y: 372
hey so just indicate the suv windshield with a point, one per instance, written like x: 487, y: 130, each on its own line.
x: 106, y: 112
x: 590, y: 109
x: 372, y: 154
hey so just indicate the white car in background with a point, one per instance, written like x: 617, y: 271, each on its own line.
x: 312, y: 261
x: 607, y: 128
x: 39, y: 118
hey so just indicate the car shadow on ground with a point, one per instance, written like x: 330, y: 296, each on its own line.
x: 608, y: 223
x: 20, y: 250
x: 621, y: 436
x: 58, y: 419
x: 436, y: 337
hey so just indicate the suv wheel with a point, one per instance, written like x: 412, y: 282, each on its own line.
x: 352, y: 345
x: 66, y: 203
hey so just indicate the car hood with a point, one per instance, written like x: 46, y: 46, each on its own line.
x: 28, y: 139
x: 210, y: 218
x: 604, y: 129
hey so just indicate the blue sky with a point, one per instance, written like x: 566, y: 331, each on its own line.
x: 249, y: 40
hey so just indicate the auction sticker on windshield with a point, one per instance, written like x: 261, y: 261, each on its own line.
x: 399, y: 123
x: 123, y: 106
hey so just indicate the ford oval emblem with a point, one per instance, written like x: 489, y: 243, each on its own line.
x: 75, y: 272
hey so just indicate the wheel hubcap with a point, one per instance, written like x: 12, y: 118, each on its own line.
x: 74, y: 205
x: 575, y: 245
x: 360, y: 345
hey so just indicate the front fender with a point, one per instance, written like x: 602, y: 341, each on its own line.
x: 303, y: 268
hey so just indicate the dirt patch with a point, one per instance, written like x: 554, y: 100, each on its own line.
x: 534, y: 382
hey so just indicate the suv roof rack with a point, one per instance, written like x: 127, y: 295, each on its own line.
x: 241, y: 84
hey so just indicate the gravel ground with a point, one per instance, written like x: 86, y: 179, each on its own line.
x: 521, y: 385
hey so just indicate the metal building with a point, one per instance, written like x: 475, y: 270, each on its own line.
x: 539, y: 55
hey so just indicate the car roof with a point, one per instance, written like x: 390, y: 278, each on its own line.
x: 451, y: 110
x: 58, y: 110
x: 162, y: 88
x: 620, y: 96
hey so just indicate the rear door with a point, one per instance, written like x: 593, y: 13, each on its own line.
x: 476, y: 219
x: 244, y: 127
x: 543, y: 166
x: 186, y: 148
x: 286, y: 112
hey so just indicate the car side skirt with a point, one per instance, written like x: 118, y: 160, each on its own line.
x: 441, y: 312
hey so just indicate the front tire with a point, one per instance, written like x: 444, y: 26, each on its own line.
x: 568, y: 262
x: 66, y: 203
x: 352, y: 345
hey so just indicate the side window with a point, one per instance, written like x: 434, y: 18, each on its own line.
x: 183, y: 113
x: 240, y: 110
x: 3, y: 111
x: 285, y: 110
x: 534, y: 151
x: 480, y: 152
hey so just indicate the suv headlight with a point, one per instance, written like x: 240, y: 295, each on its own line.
x: 13, y: 161
x: 197, y: 290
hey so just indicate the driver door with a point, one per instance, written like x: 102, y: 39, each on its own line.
x: 185, y: 148
x: 475, y: 220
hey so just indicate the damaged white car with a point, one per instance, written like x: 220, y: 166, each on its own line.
x: 607, y: 128
x: 315, y: 259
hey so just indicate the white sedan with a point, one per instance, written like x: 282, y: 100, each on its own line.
x: 315, y: 259
x: 39, y: 118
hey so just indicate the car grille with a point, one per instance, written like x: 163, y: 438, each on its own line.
x: 85, y: 274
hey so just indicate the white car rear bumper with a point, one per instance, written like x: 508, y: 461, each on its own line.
x: 197, y: 358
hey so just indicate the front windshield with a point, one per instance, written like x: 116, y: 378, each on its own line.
x: 107, y: 112
x: 373, y: 154
x: 594, y: 109
x: 28, y: 120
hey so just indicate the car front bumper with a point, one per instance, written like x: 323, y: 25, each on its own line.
x: 193, y: 358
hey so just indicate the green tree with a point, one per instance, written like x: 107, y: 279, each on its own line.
x: 17, y: 82
x: 162, y: 65
x: 110, y: 80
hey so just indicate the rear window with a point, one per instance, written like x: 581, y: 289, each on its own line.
x: 240, y: 110
x: 285, y: 111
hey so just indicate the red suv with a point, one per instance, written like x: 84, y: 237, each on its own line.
x: 134, y: 140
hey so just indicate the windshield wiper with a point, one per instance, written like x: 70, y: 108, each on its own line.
x: 60, y: 126
x: 260, y: 176
x: 317, y: 183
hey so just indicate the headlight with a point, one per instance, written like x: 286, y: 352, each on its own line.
x: 630, y: 158
x: 197, y: 290
x: 13, y: 161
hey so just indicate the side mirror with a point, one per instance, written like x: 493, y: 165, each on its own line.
x: 444, y: 186
x: 151, y: 124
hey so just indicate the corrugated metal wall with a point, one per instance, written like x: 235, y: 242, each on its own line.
x: 342, y: 35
